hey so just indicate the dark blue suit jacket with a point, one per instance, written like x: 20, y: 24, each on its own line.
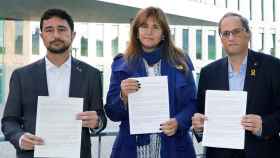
x: 182, y: 93
x: 263, y: 99
x: 29, y: 82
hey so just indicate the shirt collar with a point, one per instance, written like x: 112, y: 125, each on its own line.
x: 50, y: 65
x: 242, y: 67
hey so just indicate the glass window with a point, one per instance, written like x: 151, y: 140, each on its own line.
x: 80, y: 44
x: 2, y: 51
x: 115, y: 39
x: 212, y: 45
x: 2, y: 47
x: 2, y: 85
x: 172, y: 34
x: 198, y: 44
x: 35, y: 40
x: 84, y: 46
x: 259, y: 42
x: 273, y: 9
x: 251, y: 12
x: 186, y: 40
x: 226, y: 3
x: 262, y: 8
x: 19, y: 37
x: 262, y: 42
x: 99, y: 40
x: 238, y: 4
x: 272, y: 50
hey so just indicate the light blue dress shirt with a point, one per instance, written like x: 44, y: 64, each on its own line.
x: 237, y: 79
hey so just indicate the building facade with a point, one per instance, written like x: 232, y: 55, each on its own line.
x: 98, y: 43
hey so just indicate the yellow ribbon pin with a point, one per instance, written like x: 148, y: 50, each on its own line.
x: 253, y: 72
x: 179, y: 67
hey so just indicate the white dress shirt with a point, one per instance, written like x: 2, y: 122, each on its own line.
x: 58, y: 78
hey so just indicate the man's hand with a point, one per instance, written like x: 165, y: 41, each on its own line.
x: 252, y: 122
x: 169, y: 127
x: 198, y: 122
x: 28, y: 141
x: 89, y: 119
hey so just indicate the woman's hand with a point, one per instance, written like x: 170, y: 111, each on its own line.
x: 128, y: 86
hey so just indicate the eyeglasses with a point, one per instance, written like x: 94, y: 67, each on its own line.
x: 234, y: 32
x: 153, y: 29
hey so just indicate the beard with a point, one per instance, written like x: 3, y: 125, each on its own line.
x: 58, y: 50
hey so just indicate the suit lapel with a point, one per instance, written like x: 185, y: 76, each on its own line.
x: 76, y: 79
x: 223, y: 80
x: 251, y: 75
x: 40, y: 76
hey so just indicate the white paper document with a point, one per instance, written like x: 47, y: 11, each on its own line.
x: 149, y: 106
x: 224, y: 110
x: 56, y: 124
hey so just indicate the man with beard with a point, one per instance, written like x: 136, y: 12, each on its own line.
x: 56, y: 75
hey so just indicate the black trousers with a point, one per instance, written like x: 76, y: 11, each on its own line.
x: 224, y: 153
x: 238, y: 154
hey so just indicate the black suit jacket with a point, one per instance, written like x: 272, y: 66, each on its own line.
x: 29, y: 82
x: 263, y: 87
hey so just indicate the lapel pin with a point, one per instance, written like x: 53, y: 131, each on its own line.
x: 179, y: 67
x: 79, y: 69
x: 253, y: 72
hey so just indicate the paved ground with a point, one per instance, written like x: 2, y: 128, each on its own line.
x: 6, y: 150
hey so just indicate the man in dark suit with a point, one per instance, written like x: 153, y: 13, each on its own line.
x: 57, y: 75
x: 256, y: 73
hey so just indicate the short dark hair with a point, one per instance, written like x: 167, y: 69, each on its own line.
x: 57, y: 13
x: 243, y: 20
